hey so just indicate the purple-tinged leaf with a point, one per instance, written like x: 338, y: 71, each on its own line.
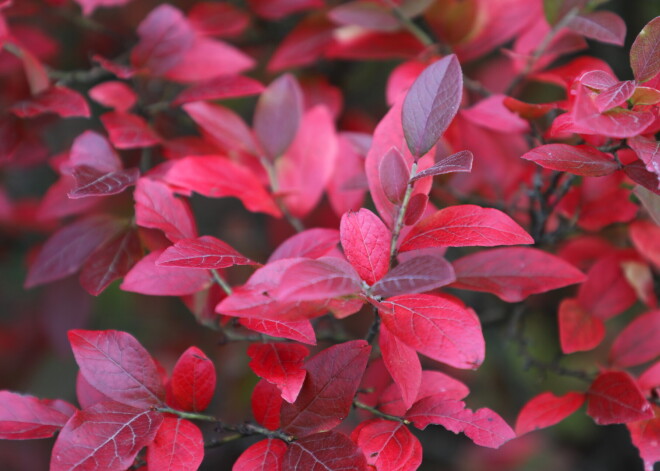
x: 219, y: 88
x: 203, y: 252
x: 459, y: 162
x: 402, y: 362
x: 26, y: 417
x: 603, y: 26
x: 645, y: 52
x: 648, y: 151
x: 431, y: 104
x: 312, y: 243
x: 579, y: 160
x: 416, y: 208
x: 614, y: 96
x: 638, y: 173
x: 93, y: 150
x: 300, y: 331
x: 91, y: 182
x: 394, y: 174
x: 327, y: 451
x: 325, y: 278
x: 638, y: 342
x: 416, y: 275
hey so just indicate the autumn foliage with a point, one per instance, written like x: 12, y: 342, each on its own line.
x: 327, y: 266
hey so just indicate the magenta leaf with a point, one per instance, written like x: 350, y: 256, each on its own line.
x: 366, y: 243
x: 129, y: 131
x: 91, y: 182
x: 402, y: 362
x: 615, y: 398
x: 333, y: 377
x: 266, y: 455
x: 645, y: 52
x: 604, y: 26
x: 93, y: 150
x: 644, y: 436
x: 616, y: 95
x: 431, y: 104
x: 114, y: 94
x: 327, y: 451
x: 648, y: 151
x: 178, y: 446
x: 394, y: 174
x: 266, y: 403
x: 388, y: 445
x: 546, y: 410
x: 193, y: 380
x: 300, y: 331
x: 459, y: 162
x: 579, y: 160
x: 117, y: 365
x: 105, y: 437
x: 638, y: 342
x: 60, y: 100
x: 416, y: 275
x: 465, y: 225
x: 312, y: 243
x: 219, y: 88
x: 579, y: 329
x: 26, y: 417
x: 280, y: 364
x: 203, y: 252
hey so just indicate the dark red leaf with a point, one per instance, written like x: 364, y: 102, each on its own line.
x: 431, y: 104
x: 193, y: 380
x: 266, y: 404
x: 604, y: 26
x: 203, y: 252
x: 91, y: 182
x: 416, y: 208
x: 114, y: 94
x: 638, y: 342
x: 129, y: 131
x: 514, y: 273
x: 327, y: 451
x: 26, y: 417
x: 615, y: 398
x: 118, y: 366
x: 266, y: 455
x: 333, y: 377
x: 321, y: 279
x: 439, y: 327
x: 458, y: 162
x: 60, y: 100
x: 645, y: 52
x: 366, y: 243
x: 219, y: 88
x: 606, y: 291
x: 388, y: 445
x: 465, y: 225
x: 546, y: 410
x: 638, y: 173
x: 403, y: 365
x: 300, y: 331
x: 105, y: 437
x: 280, y: 364
x: 579, y: 160
x: 394, y: 174
x: 416, y: 275
x: 304, y: 44
x: 579, y: 330
x: 312, y: 243
x: 178, y: 446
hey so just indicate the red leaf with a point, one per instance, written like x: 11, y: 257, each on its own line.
x: 26, y: 417
x: 416, y: 275
x: 431, y: 104
x: 514, y: 273
x: 606, y: 291
x: 579, y: 160
x: 217, y: 19
x: 178, y: 446
x: 312, y: 243
x: 118, y: 366
x: 93, y: 150
x: 333, y: 377
x: 638, y: 342
x: 114, y: 94
x: 219, y: 88
x: 146, y: 277
x: 129, y: 131
x: 579, y: 330
x: 105, y: 437
x: 604, y: 26
x: 416, y: 208
x: 156, y: 207
x: 218, y: 177
x: 281, y: 365
x: 463, y: 226
x: 300, y: 331
x: 439, y: 327
x: 648, y: 151
x: 88, y: 6
x: 328, y: 451
x: 110, y: 262
x: 277, y: 9
x: 278, y: 114
x: 304, y: 44
x: 616, y: 95
x: 367, y: 15
x: 491, y: 113
x: 87, y: 394
x: 60, y: 100
x: 165, y: 37
x: 322, y: 279
x: 266, y: 404
x: 615, y: 398
x: 366, y: 244
x: 546, y: 410
x: 645, y: 52
x: 394, y: 174
x: 645, y: 237
x: 203, y: 252
x: 487, y: 428
x: 266, y: 455
x: 403, y: 365
x: 66, y: 250
x: 645, y: 436
x: 193, y: 380
x: 91, y: 182
x: 388, y: 445
x: 458, y: 162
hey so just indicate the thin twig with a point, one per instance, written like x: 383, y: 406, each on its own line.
x: 373, y: 410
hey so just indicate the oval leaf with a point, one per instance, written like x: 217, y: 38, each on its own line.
x: 615, y: 398
x: 178, y: 446
x: 645, y: 52
x: 578, y: 160
x: 328, y: 451
x: 193, y: 380
x: 546, y: 410
x: 416, y: 275
x: 203, y: 252
x: 366, y: 243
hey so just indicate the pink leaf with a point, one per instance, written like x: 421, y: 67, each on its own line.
x: 129, y: 131
x: 431, y: 104
x: 514, y: 273
x: 487, y: 428
x: 26, y: 417
x: 388, y: 445
x: 146, y: 277
x: 416, y: 275
x: 616, y: 95
x: 638, y: 342
x: 66, y: 250
x: 218, y: 19
x: 403, y: 365
x: 312, y: 243
x: 645, y: 237
x: 416, y: 208
x: 394, y: 174
x: 490, y: 113
x: 333, y: 377
x: 178, y: 446
x: 645, y: 436
x: 105, y: 437
x: 266, y: 455
x: 463, y: 226
x: 439, y: 327
x: 93, y: 150
x: 219, y: 88
x: 300, y: 331
x: 278, y: 114
x: 606, y: 291
x: 88, y: 6
x: 218, y: 177
x: 368, y: 15
x: 118, y: 366
x: 281, y: 365
x: 604, y: 26
x: 615, y: 398
x: 203, y: 252
x: 579, y: 160
x: 645, y: 52
x: 648, y: 151
x: 327, y: 451
x: 546, y: 410
x: 91, y: 182
x: 266, y: 404
x: 579, y: 330
x: 193, y: 380
x: 60, y: 100
x: 458, y: 162
x: 114, y: 94
x: 366, y: 244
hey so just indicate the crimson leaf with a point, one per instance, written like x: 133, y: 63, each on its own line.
x: 178, y: 446
x: 281, y: 365
x: 546, y: 410
x: 579, y: 160
x: 388, y: 445
x: 366, y: 243
x: 27, y: 417
x: 193, y: 380
x: 328, y: 451
x: 615, y: 398
x: 203, y: 252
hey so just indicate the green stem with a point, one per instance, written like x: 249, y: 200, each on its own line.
x: 373, y: 410
x: 187, y: 415
x: 221, y: 282
x: 398, y: 224
x: 410, y: 25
